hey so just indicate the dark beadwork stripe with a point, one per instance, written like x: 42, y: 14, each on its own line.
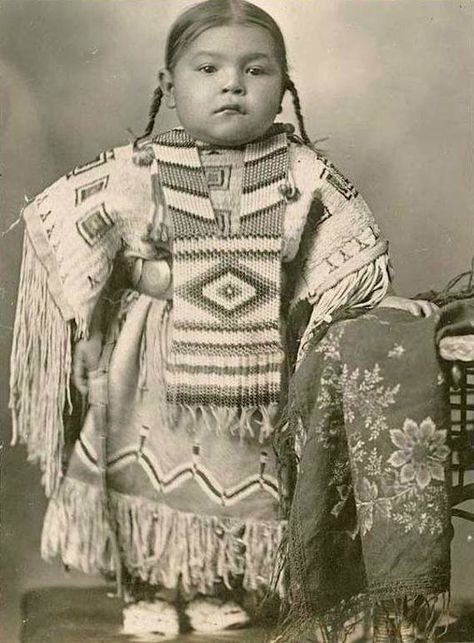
x: 175, y: 138
x: 224, y: 370
x: 192, y: 253
x: 222, y: 327
x: 246, y: 348
x: 222, y: 397
x: 265, y: 182
x: 251, y: 225
x: 189, y: 179
x: 190, y: 226
x: 278, y: 153
x: 268, y: 168
x: 265, y: 171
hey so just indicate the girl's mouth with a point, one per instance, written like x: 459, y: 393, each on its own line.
x: 230, y: 109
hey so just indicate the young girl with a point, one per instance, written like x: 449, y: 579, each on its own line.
x: 220, y: 229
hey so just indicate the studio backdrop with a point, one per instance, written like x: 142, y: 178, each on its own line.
x: 388, y: 85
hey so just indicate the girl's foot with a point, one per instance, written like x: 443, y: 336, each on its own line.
x: 213, y: 615
x: 158, y: 617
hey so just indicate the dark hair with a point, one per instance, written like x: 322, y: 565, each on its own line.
x: 214, y: 13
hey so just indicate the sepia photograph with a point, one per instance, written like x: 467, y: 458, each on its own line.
x: 237, y: 321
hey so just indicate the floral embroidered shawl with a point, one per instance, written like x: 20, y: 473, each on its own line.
x: 370, y: 517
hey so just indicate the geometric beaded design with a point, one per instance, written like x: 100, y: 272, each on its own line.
x: 226, y: 288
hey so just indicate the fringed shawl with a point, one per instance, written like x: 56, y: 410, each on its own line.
x: 77, y: 227
x: 369, y: 528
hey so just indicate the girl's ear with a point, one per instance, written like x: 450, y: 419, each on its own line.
x: 167, y: 87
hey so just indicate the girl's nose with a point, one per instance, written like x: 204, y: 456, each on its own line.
x: 234, y: 83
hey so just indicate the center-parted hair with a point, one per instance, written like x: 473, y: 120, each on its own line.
x: 216, y: 13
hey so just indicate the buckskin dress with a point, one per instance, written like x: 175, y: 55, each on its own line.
x: 168, y: 482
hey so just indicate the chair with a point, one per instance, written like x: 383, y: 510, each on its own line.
x: 462, y: 436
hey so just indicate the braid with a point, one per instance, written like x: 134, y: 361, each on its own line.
x: 290, y: 85
x: 154, y: 109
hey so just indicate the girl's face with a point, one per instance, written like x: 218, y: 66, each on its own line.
x: 227, y: 85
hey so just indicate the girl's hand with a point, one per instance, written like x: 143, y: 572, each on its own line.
x: 85, y: 359
x: 153, y: 278
x: 417, y: 307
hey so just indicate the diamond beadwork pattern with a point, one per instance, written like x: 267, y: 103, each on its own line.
x: 229, y: 291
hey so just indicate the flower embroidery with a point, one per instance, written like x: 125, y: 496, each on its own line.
x: 366, y: 396
x: 397, y: 351
x: 366, y: 496
x: 421, y: 451
x: 330, y: 345
x: 370, y: 505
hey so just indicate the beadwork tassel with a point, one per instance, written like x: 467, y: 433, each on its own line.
x: 143, y: 156
x: 242, y: 422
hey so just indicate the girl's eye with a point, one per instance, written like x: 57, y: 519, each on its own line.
x: 207, y: 69
x: 255, y: 71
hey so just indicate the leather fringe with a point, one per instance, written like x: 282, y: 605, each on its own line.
x: 76, y: 528
x: 166, y: 547
x: 40, y: 370
x: 159, y: 545
x: 360, y: 290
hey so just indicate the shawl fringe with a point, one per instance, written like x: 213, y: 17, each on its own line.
x: 407, y: 618
x: 40, y: 370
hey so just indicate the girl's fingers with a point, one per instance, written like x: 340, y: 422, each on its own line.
x: 423, y: 310
x: 414, y: 308
x: 426, y: 307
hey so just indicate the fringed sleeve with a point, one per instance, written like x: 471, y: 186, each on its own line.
x: 74, y: 230
x: 40, y: 369
x: 364, y: 288
x: 342, y: 259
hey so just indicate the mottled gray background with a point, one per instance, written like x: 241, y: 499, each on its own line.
x: 390, y: 82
